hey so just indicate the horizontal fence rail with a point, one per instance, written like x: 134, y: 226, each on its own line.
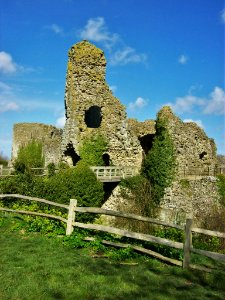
x: 34, y: 199
x: 71, y: 223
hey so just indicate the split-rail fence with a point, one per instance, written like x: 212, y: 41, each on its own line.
x: 188, y: 229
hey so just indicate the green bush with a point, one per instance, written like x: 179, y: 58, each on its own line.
x: 51, y: 169
x: 78, y: 182
x: 159, y: 165
x: 92, y: 150
x: 29, y: 156
x: 19, y: 184
x: 72, y: 183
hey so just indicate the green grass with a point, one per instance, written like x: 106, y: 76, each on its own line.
x: 33, y: 266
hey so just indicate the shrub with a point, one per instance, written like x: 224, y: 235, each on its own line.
x: 92, y: 150
x: 159, y: 165
x: 29, y: 156
x: 51, y: 169
x: 72, y: 183
x: 18, y: 184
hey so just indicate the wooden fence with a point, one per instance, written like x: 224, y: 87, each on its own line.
x: 72, y: 208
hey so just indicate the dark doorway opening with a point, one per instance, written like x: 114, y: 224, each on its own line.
x: 146, y: 142
x: 106, y: 159
x: 93, y: 117
x: 72, y: 154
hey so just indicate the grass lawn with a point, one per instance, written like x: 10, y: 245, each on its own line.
x: 33, y: 266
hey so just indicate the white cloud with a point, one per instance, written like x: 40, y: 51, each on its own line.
x: 216, y: 102
x: 127, y: 55
x: 187, y: 103
x: 120, y: 54
x: 223, y: 16
x: 8, y: 106
x: 55, y: 28
x: 60, y: 122
x: 4, y: 88
x: 182, y: 59
x: 96, y: 30
x: 138, y: 104
x: 213, y: 104
x: 7, y: 65
x: 198, y: 122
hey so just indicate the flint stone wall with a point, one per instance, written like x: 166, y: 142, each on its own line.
x: 189, y: 199
x: 48, y: 135
x: 86, y: 87
x: 193, y: 150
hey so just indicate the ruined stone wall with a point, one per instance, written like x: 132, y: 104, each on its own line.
x: 141, y: 129
x: 91, y: 108
x: 194, y: 151
x: 189, y: 199
x: 48, y: 135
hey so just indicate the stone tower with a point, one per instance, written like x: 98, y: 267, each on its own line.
x: 92, y: 109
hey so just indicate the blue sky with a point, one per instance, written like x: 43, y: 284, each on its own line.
x: 159, y: 52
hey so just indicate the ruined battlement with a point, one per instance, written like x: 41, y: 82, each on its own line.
x: 192, y: 148
x: 48, y: 135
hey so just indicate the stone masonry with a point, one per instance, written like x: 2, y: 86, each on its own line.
x: 48, y: 135
x: 92, y: 109
x: 193, y: 150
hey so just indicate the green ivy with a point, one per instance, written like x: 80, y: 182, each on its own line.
x: 92, y: 150
x: 159, y: 165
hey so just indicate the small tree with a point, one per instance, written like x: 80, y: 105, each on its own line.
x: 92, y: 150
x: 29, y: 156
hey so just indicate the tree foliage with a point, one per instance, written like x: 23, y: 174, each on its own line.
x: 159, y: 165
x: 29, y: 156
x: 92, y: 150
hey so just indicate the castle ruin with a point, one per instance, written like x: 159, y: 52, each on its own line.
x: 91, y: 108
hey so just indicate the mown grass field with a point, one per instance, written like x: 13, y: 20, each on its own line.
x: 33, y: 266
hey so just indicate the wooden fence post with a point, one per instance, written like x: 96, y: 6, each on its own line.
x: 187, y: 244
x: 71, y: 216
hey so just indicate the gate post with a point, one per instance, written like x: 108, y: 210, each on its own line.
x: 71, y: 216
x: 187, y: 244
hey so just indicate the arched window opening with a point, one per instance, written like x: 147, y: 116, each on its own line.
x: 93, y: 117
x: 202, y: 155
x: 106, y: 159
x: 70, y: 152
